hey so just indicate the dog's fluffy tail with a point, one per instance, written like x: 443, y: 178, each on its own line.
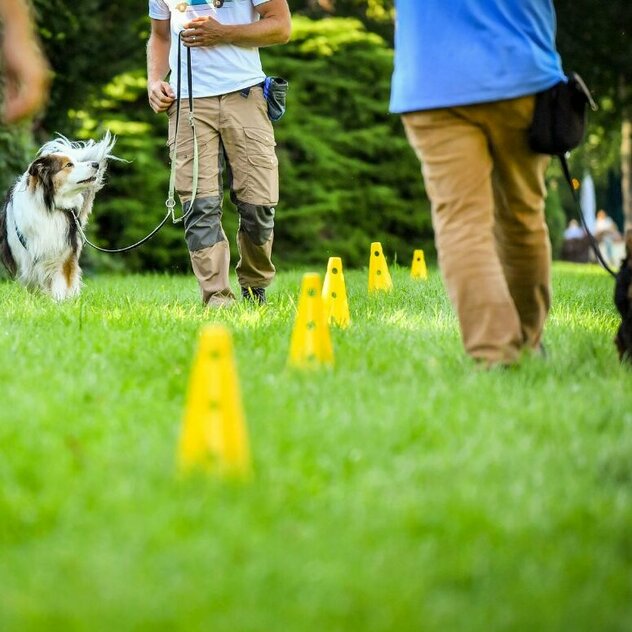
x: 83, y: 151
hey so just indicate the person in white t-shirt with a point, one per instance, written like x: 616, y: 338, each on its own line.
x: 232, y: 126
x: 574, y: 230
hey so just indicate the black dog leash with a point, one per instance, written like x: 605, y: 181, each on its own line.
x: 591, y: 238
x: 117, y: 250
x: 170, y: 203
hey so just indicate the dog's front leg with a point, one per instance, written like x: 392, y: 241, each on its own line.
x: 66, y: 281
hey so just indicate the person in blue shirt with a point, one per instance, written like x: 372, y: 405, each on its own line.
x: 466, y: 74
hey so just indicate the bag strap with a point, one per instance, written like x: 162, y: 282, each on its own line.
x: 581, y: 84
x: 591, y: 238
x: 171, y: 202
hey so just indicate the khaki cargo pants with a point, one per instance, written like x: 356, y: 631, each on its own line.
x: 487, y: 191
x: 232, y: 128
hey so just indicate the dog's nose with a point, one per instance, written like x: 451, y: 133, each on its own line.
x: 95, y: 165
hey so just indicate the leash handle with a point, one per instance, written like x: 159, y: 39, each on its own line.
x: 591, y: 238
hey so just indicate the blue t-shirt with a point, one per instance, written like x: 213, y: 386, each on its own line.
x: 459, y: 52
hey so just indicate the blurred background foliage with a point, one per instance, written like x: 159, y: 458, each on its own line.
x: 348, y: 176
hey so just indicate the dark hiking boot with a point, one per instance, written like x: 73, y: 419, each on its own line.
x: 256, y: 295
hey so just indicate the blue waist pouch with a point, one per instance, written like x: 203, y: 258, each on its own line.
x: 275, y: 93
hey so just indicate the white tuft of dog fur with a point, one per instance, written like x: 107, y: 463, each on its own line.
x: 84, y: 151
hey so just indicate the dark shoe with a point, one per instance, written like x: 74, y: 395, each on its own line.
x: 254, y: 294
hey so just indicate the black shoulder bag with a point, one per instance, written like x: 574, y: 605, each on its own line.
x: 559, y: 125
x: 559, y: 118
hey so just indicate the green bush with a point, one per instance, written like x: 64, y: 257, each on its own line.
x: 16, y: 150
x: 16, y: 147
x: 348, y: 176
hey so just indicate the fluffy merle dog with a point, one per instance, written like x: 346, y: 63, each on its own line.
x: 623, y: 301
x: 39, y: 241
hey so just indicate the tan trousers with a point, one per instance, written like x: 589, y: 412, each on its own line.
x: 487, y: 191
x: 235, y: 128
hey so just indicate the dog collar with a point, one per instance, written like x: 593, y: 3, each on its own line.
x: 20, y: 235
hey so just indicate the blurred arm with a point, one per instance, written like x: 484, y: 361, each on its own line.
x: 27, y: 71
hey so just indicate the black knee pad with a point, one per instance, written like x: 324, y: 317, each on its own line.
x: 203, y: 223
x: 256, y: 221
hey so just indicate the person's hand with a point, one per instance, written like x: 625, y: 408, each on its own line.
x: 27, y: 79
x: 160, y: 95
x: 203, y: 31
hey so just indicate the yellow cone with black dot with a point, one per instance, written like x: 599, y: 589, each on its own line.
x: 379, y: 276
x: 335, y: 294
x: 214, y: 438
x: 310, y: 345
x: 418, y: 269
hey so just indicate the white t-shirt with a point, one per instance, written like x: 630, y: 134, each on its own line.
x: 216, y: 69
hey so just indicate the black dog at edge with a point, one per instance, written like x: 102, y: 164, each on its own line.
x: 623, y: 302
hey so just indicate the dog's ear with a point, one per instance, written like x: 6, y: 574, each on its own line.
x: 42, y: 168
x: 41, y: 172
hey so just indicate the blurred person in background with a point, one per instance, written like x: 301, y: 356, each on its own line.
x: 26, y: 74
x: 576, y: 246
x: 609, y: 238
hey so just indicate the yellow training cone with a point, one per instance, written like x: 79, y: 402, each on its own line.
x: 214, y: 436
x: 379, y: 276
x: 418, y: 270
x: 310, y: 344
x: 335, y: 294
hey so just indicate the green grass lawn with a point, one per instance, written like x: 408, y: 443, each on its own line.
x: 402, y: 490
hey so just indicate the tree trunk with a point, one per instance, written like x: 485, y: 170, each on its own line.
x: 626, y: 169
x: 626, y: 158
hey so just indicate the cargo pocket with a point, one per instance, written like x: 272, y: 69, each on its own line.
x: 183, y: 157
x: 263, y: 173
x: 207, y: 165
